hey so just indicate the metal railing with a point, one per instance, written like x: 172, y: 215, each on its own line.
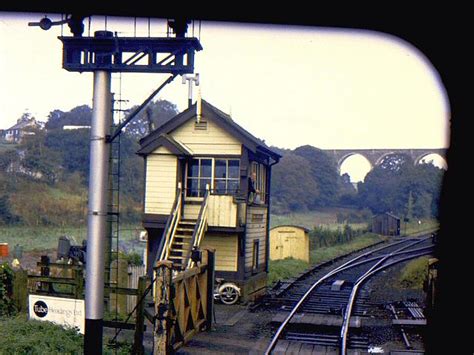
x: 171, y: 225
x: 199, y: 229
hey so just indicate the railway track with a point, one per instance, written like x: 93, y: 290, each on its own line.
x: 326, y: 308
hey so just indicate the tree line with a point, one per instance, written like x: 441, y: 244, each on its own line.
x: 44, y: 179
x: 307, y: 178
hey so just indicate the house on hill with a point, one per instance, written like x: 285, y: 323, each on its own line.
x: 23, y: 127
x: 207, y: 185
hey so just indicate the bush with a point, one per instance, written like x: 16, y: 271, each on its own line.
x: 284, y: 269
x: 325, y: 237
x: 7, y: 306
x: 414, y: 274
x: 21, y: 336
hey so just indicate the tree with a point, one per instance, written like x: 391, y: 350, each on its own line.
x: 38, y: 160
x: 293, y: 186
x: 78, y: 116
x: 72, y: 148
x: 324, y: 173
x: 158, y: 112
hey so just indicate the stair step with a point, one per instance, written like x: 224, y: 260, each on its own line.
x: 184, y: 229
x: 175, y: 257
x: 188, y: 221
x: 183, y: 236
x: 182, y: 243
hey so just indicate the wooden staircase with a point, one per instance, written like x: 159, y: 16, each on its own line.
x: 183, y: 233
x: 182, y: 242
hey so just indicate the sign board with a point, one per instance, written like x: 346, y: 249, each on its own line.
x: 63, y: 311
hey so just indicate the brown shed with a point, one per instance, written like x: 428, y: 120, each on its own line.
x: 386, y: 224
x: 289, y: 241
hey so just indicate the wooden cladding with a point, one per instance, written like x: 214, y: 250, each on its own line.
x: 160, y: 187
x: 226, y: 247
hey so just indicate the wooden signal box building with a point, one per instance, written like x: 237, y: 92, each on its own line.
x: 200, y: 168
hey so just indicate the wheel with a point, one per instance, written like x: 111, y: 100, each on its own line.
x: 229, y: 293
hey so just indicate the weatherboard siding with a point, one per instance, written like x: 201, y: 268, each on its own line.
x: 226, y: 250
x: 222, y: 211
x: 160, y: 188
x: 256, y: 230
x: 212, y: 141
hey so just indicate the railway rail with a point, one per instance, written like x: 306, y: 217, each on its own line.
x: 324, y: 308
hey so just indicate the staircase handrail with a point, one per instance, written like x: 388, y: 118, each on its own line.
x: 171, y: 225
x: 200, y: 227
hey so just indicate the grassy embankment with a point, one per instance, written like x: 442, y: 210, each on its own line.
x: 282, y: 269
x: 46, y: 238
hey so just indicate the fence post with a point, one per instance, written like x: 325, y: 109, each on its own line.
x: 79, y: 283
x: 210, y: 286
x: 140, y: 317
x: 163, y: 297
x: 20, y: 289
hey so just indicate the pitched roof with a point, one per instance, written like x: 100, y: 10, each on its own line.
x: 168, y: 142
x: 21, y: 124
x: 150, y: 142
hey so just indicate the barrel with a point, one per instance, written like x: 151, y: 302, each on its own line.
x: 3, y: 249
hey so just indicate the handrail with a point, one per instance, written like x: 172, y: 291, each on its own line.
x: 199, y: 228
x: 171, y: 225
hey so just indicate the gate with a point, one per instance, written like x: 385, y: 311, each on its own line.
x: 183, y: 302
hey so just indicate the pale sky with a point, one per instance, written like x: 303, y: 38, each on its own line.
x: 288, y: 85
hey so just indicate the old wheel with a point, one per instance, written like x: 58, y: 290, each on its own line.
x: 229, y: 293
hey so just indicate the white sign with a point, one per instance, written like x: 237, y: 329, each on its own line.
x: 63, y: 311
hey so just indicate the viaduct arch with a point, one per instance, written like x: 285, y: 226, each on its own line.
x: 375, y: 156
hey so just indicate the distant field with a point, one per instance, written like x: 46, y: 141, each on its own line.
x: 44, y: 238
x: 319, y: 218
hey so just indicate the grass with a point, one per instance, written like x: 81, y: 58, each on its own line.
x: 23, y: 336
x: 413, y: 228
x: 287, y: 268
x: 318, y: 218
x: 284, y: 269
x: 44, y: 238
x: 414, y: 274
x: 327, y: 253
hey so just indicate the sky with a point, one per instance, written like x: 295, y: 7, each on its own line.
x: 289, y: 85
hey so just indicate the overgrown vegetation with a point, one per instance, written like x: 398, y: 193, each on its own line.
x: 414, y: 274
x: 44, y: 179
x: 326, y: 237
x: 7, y: 306
x: 284, y: 269
x: 22, y: 336
x: 289, y: 267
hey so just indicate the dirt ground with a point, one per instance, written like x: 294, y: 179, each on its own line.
x: 236, y: 330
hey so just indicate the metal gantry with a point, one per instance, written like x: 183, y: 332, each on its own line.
x: 103, y: 54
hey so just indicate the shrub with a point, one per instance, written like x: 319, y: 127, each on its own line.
x: 284, y: 269
x: 21, y: 336
x: 7, y: 306
x: 414, y: 274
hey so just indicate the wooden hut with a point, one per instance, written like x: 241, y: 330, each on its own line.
x: 386, y: 224
x: 197, y: 171
x: 289, y: 241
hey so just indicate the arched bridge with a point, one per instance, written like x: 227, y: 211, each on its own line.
x: 376, y: 156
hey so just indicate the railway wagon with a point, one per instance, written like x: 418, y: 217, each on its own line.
x: 386, y: 224
x: 202, y: 156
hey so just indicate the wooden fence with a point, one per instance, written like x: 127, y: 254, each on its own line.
x: 183, y: 303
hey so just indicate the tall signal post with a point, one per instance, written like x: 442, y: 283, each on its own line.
x: 104, y: 54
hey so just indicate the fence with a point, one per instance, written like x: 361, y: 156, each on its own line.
x: 183, y: 303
